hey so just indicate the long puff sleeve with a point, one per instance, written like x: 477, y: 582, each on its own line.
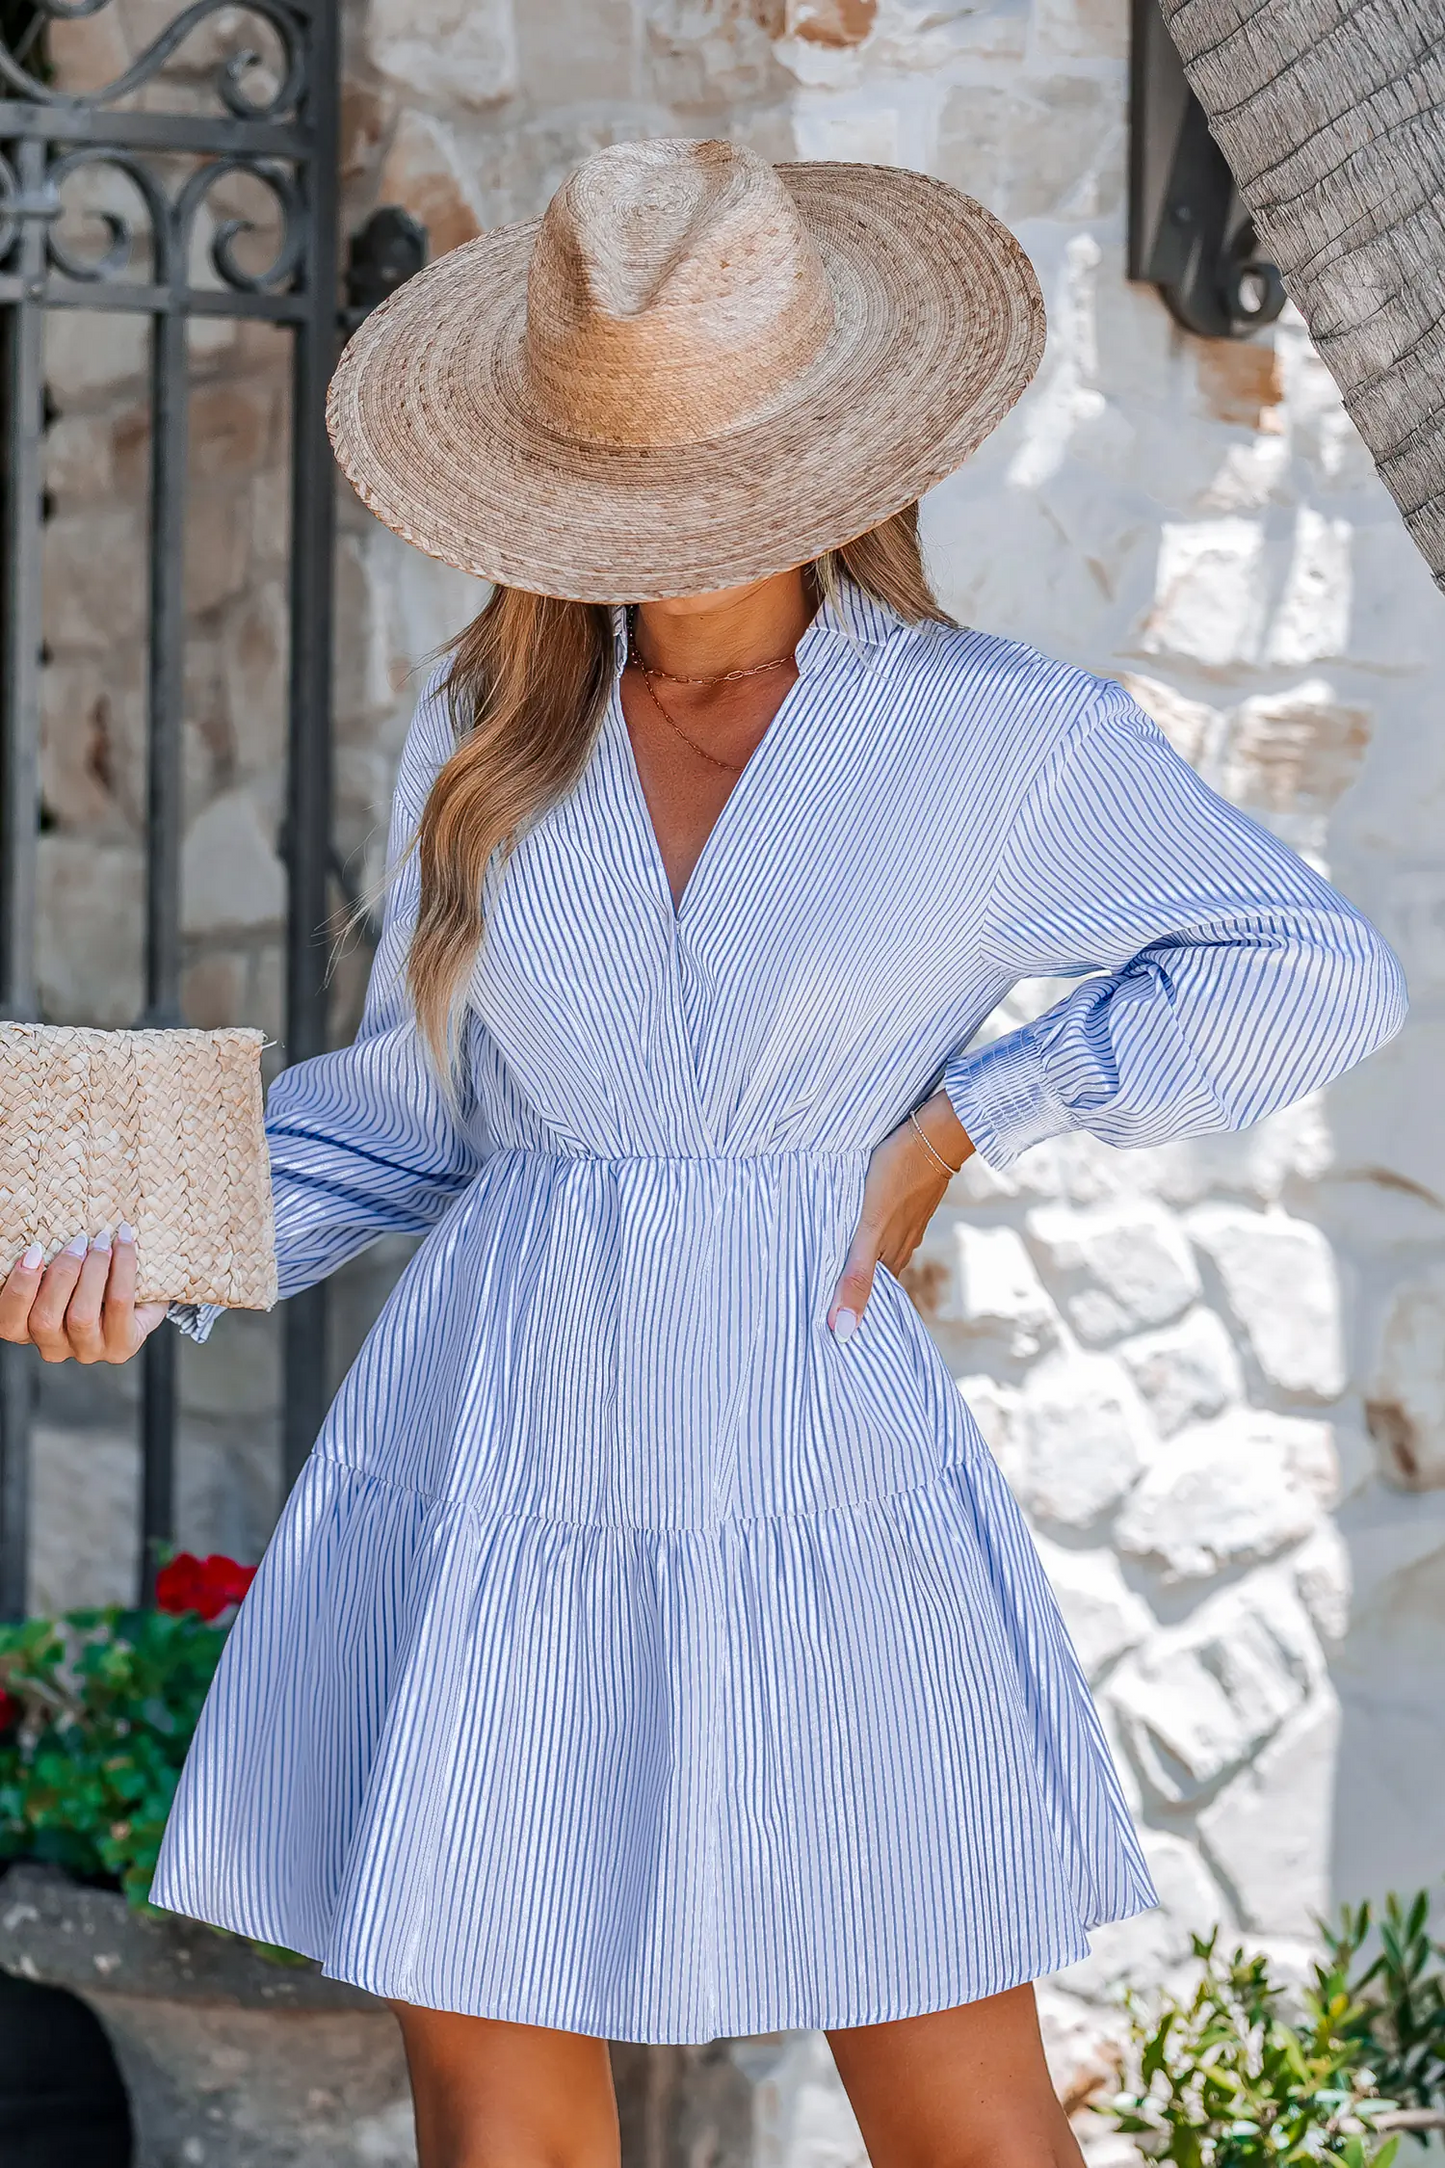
x: 1229, y: 979
x: 363, y: 1141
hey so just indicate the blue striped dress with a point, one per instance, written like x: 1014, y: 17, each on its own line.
x: 630, y: 1656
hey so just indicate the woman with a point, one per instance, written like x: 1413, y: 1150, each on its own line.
x: 650, y: 1649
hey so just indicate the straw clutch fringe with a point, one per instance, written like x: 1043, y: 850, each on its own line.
x: 160, y: 1128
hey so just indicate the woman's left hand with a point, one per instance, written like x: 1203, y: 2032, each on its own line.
x: 904, y: 1189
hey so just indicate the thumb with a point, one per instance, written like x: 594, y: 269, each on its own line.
x: 855, y: 1285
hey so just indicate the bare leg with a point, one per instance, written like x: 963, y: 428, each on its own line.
x: 492, y: 2095
x: 964, y: 2088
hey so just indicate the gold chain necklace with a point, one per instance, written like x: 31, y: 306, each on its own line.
x: 729, y: 767
x: 723, y: 677
x: 647, y: 674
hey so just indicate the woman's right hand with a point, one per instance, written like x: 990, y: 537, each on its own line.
x: 82, y: 1304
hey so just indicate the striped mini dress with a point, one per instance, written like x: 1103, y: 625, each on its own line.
x: 631, y: 1657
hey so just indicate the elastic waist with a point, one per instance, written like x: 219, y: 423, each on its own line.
x: 804, y: 1156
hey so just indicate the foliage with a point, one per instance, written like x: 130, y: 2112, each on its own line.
x: 98, y: 1711
x: 1396, y: 1975
x: 1225, y: 2080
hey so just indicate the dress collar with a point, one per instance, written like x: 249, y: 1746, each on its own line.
x: 850, y: 615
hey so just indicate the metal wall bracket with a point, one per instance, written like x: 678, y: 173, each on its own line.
x: 1189, y: 233
x: 390, y: 248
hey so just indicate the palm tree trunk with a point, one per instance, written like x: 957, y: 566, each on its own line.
x: 1331, y: 114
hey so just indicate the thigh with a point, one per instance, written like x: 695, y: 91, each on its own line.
x: 493, y: 2095
x: 963, y: 2088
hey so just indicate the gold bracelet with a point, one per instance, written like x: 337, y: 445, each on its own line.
x: 930, y: 1148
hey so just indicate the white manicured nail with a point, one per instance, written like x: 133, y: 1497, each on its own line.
x: 125, y: 1232
x: 845, y: 1324
x: 34, y: 1257
x: 77, y: 1246
x: 101, y: 1241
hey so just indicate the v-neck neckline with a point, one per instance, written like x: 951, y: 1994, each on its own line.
x: 849, y: 616
x: 678, y: 908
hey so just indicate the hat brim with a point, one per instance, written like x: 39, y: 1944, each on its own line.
x: 939, y: 325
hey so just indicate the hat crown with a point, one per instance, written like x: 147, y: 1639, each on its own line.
x: 674, y: 293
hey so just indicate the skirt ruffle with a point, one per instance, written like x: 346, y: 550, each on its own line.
x: 655, y: 1784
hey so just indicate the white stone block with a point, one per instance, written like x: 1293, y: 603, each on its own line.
x: 1229, y: 1494
x: 1296, y: 751
x: 1269, y: 1832
x: 254, y: 665
x: 1081, y: 29
x: 80, y: 367
x: 84, y: 1504
x: 448, y: 52
x: 995, y: 1409
x: 1405, y: 1407
x: 93, y: 741
x: 1193, y: 728
x: 999, y: 1293
x: 1209, y: 591
x: 93, y: 579
x: 1083, y: 2045
x: 1324, y: 1577
x: 1384, y: 1117
x: 1282, y: 1285
x: 79, y: 455
x: 231, y: 877
x: 589, y: 54
x: 1052, y: 144
x: 1124, y: 1769
x: 1067, y: 399
x: 1103, y: 1615
x: 1084, y: 1439
x: 1312, y: 616
x: 1200, y: 1698
x: 1139, y: 1952
x: 1186, y: 1373
x: 426, y: 172
x: 217, y: 549
x: 865, y: 128
x: 1296, y: 1144
x: 1117, y: 1269
x: 801, y: 2114
x: 1248, y: 476
x: 89, y: 931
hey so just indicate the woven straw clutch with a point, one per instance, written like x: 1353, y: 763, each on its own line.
x: 160, y: 1128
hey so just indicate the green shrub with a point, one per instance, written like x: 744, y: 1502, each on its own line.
x: 98, y: 1709
x: 1396, y: 1976
x: 1225, y: 2079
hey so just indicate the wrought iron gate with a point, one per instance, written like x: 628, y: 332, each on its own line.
x: 284, y: 134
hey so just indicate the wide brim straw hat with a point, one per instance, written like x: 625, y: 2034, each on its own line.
x: 695, y: 369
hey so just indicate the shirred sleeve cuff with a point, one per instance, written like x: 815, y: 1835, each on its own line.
x: 195, y: 1319
x: 1003, y: 1099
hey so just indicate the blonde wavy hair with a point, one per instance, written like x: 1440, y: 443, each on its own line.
x: 527, y: 687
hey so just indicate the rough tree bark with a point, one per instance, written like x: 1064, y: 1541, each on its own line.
x: 1331, y: 114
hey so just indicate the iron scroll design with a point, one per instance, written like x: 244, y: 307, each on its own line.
x: 171, y: 221
x: 290, y: 25
x: 158, y: 257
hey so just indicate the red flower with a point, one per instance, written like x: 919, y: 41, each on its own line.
x: 207, y: 1586
x: 228, y: 1580
x: 10, y: 1710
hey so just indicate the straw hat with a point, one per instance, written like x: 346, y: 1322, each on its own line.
x: 695, y: 369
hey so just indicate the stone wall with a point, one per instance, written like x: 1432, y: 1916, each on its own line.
x: 1213, y: 1372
